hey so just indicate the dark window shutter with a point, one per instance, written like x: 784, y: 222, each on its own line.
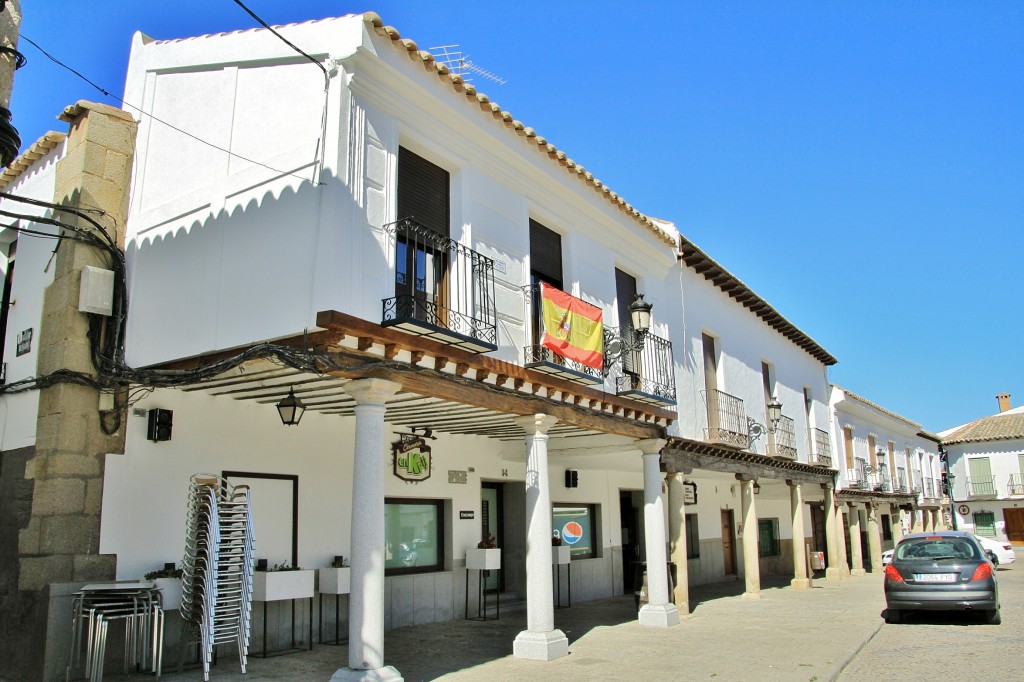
x: 545, y: 254
x: 625, y: 294
x: 423, y: 192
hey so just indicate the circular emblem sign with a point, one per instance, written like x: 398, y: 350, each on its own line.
x: 964, y: 510
x: 572, y: 532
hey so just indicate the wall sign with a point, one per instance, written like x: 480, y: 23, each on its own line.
x: 459, y: 477
x: 963, y: 510
x: 24, y: 341
x: 466, y: 514
x: 689, y: 492
x: 411, y: 457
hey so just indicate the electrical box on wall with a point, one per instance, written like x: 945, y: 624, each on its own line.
x: 160, y: 422
x: 97, y: 291
x: 572, y: 478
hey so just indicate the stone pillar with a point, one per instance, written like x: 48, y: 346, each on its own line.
x: 677, y: 541
x: 916, y: 521
x: 874, y: 538
x: 658, y: 612
x: 366, y: 601
x: 751, y: 560
x: 834, y: 571
x: 843, y: 564
x: 856, y: 551
x: 540, y: 641
x: 897, y: 525
x: 926, y: 521
x: 796, y: 498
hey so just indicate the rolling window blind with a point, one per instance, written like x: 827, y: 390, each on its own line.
x: 423, y: 192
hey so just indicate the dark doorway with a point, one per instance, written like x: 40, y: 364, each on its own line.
x: 492, y: 522
x: 630, y: 516
x: 728, y: 542
x: 818, y: 521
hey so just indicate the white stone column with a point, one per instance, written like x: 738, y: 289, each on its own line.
x: 658, y: 611
x: 856, y: 551
x: 366, y: 601
x: 751, y: 560
x: 677, y: 542
x: 917, y: 521
x: 897, y: 525
x: 796, y: 499
x: 834, y: 570
x: 540, y: 641
x: 843, y: 563
x: 874, y: 538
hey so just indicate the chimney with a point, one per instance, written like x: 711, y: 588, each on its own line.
x: 1004, y: 401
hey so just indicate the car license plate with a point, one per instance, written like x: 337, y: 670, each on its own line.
x: 935, y: 577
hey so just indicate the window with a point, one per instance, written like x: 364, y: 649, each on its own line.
x: 576, y: 524
x: 848, y: 445
x: 985, y: 524
x: 692, y: 537
x: 886, y: 527
x: 545, y: 266
x: 980, y: 481
x: 768, y: 538
x: 413, y: 536
x: 421, y: 256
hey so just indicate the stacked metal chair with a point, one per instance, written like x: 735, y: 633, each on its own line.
x: 96, y: 606
x: 216, y: 600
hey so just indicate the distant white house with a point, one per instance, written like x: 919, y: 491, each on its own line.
x: 986, y: 466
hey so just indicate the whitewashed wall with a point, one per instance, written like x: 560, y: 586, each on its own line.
x: 1003, y: 460
x: 32, y: 274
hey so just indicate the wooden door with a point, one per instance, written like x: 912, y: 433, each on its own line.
x: 1014, y: 525
x: 728, y: 543
x: 491, y: 524
x: 818, y: 525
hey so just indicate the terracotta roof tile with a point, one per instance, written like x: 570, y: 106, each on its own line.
x: 854, y: 396
x: 39, y: 149
x: 996, y: 427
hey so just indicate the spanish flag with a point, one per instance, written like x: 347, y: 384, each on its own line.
x: 572, y: 328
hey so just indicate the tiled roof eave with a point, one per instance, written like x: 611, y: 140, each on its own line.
x: 36, y: 151
x: 528, y: 134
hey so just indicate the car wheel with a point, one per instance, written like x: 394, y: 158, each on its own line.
x: 993, y: 617
x: 893, y: 616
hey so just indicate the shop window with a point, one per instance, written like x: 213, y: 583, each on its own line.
x: 413, y: 536
x: 577, y: 525
x: 886, y: 527
x: 768, y: 537
x: 692, y: 537
x: 985, y: 524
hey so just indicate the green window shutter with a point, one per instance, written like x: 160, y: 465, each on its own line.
x: 985, y: 524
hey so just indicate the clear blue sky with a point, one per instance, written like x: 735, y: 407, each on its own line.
x: 860, y: 164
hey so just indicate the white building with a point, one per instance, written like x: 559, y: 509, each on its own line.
x: 986, y: 467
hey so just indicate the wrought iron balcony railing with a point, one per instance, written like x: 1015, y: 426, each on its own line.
x: 899, y: 484
x: 1015, y: 485
x: 822, y: 448
x: 918, y: 482
x: 727, y: 420
x: 857, y: 477
x: 444, y: 290
x: 981, y: 486
x: 783, y: 442
x: 646, y: 374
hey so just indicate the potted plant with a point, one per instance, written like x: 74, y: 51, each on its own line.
x: 336, y: 578
x: 486, y: 556
x: 560, y: 554
x: 281, y: 581
x: 168, y: 581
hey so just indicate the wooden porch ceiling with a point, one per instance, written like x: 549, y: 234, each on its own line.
x: 684, y: 455
x: 443, y: 388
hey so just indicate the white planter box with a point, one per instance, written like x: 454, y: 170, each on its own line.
x: 483, y: 559
x: 277, y: 585
x: 335, y: 580
x: 170, y: 589
x: 561, y: 554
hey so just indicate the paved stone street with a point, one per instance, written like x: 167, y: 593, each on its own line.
x: 950, y: 647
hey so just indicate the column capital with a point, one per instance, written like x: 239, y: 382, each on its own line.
x: 372, y: 391
x: 650, y: 446
x: 536, y: 423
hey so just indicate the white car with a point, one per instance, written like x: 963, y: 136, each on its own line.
x: 1000, y: 552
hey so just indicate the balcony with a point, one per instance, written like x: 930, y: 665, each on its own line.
x: 727, y: 421
x: 880, y: 480
x: 1016, y: 485
x: 899, y: 484
x: 646, y: 374
x: 822, y: 448
x: 982, y: 486
x: 543, y: 359
x: 857, y: 477
x: 444, y: 291
x: 782, y: 443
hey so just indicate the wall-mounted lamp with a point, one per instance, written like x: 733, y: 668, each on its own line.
x: 615, y: 346
x: 757, y: 488
x: 291, y: 409
x: 773, y: 411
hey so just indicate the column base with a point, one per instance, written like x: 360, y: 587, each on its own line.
x: 385, y: 674
x: 751, y: 595
x: 857, y: 571
x: 540, y: 646
x: 661, y: 616
x: 801, y: 583
x: 834, y: 574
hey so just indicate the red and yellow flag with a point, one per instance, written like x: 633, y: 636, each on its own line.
x: 572, y: 328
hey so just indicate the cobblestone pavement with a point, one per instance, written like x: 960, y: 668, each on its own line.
x: 949, y: 647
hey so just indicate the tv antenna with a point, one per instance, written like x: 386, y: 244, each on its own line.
x: 461, y: 65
